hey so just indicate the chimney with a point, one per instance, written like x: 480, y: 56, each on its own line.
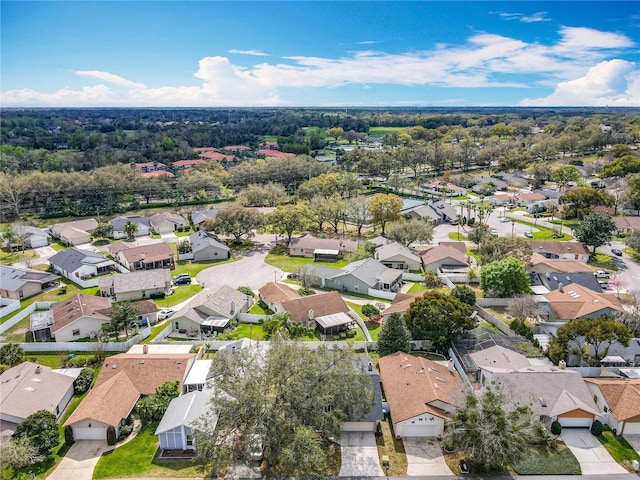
x: 233, y: 307
x: 562, y: 364
x: 451, y: 366
x: 38, y: 369
x: 370, y: 367
x: 145, y: 349
x: 561, y: 287
x: 310, y: 314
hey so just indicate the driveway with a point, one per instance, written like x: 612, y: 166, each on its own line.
x: 592, y: 456
x: 634, y: 440
x: 359, y: 455
x: 424, y: 457
x: 80, y: 460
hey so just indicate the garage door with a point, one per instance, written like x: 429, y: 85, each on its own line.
x: 93, y: 433
x: 420, y: 431
x: 575, y: 422
x: 632, y: 428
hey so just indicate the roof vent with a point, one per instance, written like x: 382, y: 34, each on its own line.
x: 38, y: 368
x: 562, y: 364
x: 115, y: 365
x: 406, y: 366
x: 543, y: 403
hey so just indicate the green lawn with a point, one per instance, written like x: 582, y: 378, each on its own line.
x: 193, y: 268
x: 248, y: 330
x: 182, y: 293
x: 9, y: 258
x: 138, y: 458
x: 618, y: 447
x: 295, y: 264
x: 458, y: 237
x: 155, y: 330
x: 542, y: 460
x: 543, y: 233
x: 373, y: 328
x: 417, y: 287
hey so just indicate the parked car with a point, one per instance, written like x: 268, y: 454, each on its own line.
x: 293, y: 276
x: 505, y: 220
x: 616, y: 251
x: 603, y: 285
x: 165, y: 313
x: 601, y: 274
x: 182, y: 281
x: 181, y: 275
x: 493, y: 231
x: 528, y: 234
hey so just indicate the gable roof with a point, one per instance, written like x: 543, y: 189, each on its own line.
x: 460, y: 246
x: 73, y: 308
x: 314, y: 243
x: 162, y: 217
x: 224, y: 302
x: 199, y: 216
x: 621, y: 394
x: 85, y: 225
x: 27, y: 231
x: 576, y: 301
x: 136, y: 281
x: 72, y: 259
x: 394, y: 249
x: 553, y: 280
x: 147, y: 253
x: 443, y: 252
x: 13, y: 279
x: 559, y: 248
x: 321, y: 304
x: 201, y: 240
x: 29, y: 387
x: 401, y: 302
x: 119, y: 222
x: 499, y: 357
x: 370, y: 271
x: 277, y: 292
x: 412, y: 385
x: 185, y: 410
x: 558, y: 265
x: 626, y: 222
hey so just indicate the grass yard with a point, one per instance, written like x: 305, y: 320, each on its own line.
x: 139, y: 458
x: 417, y: 287
x: 543, y: 233
x: 458, y: 237
x: 155, y: 330
x: 542, y: 460
x: 249, y: 330
x: 182, y: 293
x: 394, y: 449
x: 373, y: 328
x: 619, y: 448
x: 194, y: 268
x: 9, y: 258
x: 295, y: 264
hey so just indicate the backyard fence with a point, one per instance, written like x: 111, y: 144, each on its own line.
x: 9, y: 305
x: 25, y: 313
x: 495, y: 321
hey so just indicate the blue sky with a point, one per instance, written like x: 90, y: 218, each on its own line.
x: 314, y: 53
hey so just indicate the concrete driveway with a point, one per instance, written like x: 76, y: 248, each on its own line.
x: 424, y: 457
x: 80, y: 460
x: 634, y: 440
x: 359, y: 455
x: 592, y: 456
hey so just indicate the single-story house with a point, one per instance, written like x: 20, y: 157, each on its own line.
x: 530, y: 198
x: 74, y: 233
x: 561, y: 250
x: 145, y: 257
x: 441, y: 189
x: 553, y: 393
x: 541, y: 265
x: 273, y: 294
x: 619, y: 400
x: 396, y: 255
x: 120, y: 383
x: 479, y: 181
x: 198, y: 376
x: 367, y: 422
x: 205, y: 247
x: 167, y: 222
x: 136, y: 285
x: 29, y: 387
x: 175, y: 430
x: 359, y: 276
x: 444, y: 256
x: 118, y: 223
x: 574, y: 301
x: 198, y: 217
x: 28, y: 237
x: 435, y: 212
x: 400, y: 304
x: 77, y: 264
x: 19, y: 283
x: 626, y: 223
x: 555, y: 280
x: 211, y: 312
x: 422, y: 394
x: 188, y: 164
x: 328, y: 248
x: 327, y: 311
x: 79, y: 316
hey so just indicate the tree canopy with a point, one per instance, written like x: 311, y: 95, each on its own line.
x: 413, y: 230
x: 580, y: 201
x: 505, y: 278
x: 394, y: 336
x: 595, y: 230
x: 41, y: 429
x: 384, y: 208
x: 236, y: 220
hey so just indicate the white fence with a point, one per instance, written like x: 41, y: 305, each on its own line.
x: 381, y: 294
x: 84, y: 346
x: 163, y: 334
x: 9, y: 305
x: 412, y: 277
x: 252, y: 318
x: 493, y: 302
x: 25, y: 313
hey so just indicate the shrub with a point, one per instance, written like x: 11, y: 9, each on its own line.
x: 83, y: 382
x: 125, y: 430
x: 68, y: 436
x: 465, y: 295
x: 431, y: 279
x: 369, y: 310
x: 246, y: 290
x: 597, y: 428
x: 556, y: 428
x: 111, y: 435
x: 306, y: 291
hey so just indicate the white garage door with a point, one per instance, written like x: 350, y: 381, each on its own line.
x: 420, y: 431
x: 575, y: 422
x: 632, y: 428
x: 93, y: 433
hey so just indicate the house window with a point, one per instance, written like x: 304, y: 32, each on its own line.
x: 177, y: 325
x: 595, y: 399
x: 76, y: 332
x: 144, y: 294
x: 189, y: 440
x: 355, y: 287
x: 21, y: 293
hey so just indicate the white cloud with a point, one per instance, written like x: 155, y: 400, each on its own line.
x: 96, y: 95
x: 256, y: 53
x: 613, y: 83
x: 536, y: 17
x: 109, y: 77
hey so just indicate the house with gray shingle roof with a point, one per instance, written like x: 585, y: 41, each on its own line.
x: 136, y: 285
x: 435, y: 212
x: 206, y: 247
x: 118, y: 223
x: 356, y: 277
x: 396, y: 255
x: 21, y: 283
x: 175, y: 430
x: 198, y: 217
x: 76, y: 232
x: 78, y: 265
x: 167, y: 222
x: 28, y: 237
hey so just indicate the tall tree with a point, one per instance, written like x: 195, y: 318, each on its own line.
x: 130, y: 229
x: 122, y: 314
x: 439, y: 318
x: 103, y: 230
x: 595, y: 230
x: 11, y: 354
x: 287, y: 219
x: 236, y: 220
x: 489, y: 435
x: 580, y: 201
x: 496, y: 248
x: 565, y: 175
x: 357, y: 212
x: 394, y: 336
x: 41, y: 429
x: 630, y: 314
x: 384, y: 208
x: 412, y: 230
x: 505, y: 278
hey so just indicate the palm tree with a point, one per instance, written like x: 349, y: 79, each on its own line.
x: 11, y: 354
x: 130, y: 229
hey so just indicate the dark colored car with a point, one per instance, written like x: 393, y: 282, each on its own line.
x: 182, y: 281
x: 616, y: 251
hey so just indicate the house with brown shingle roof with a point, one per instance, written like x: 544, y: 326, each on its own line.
x: 145, y: 257
x: 273, y: 294
x: 422, y: 394
x: 619, y: 400
x: 80, y: 316
x: 325, y: 310
x: 122, y: 380
x: 561, y: 250
x: 309, y: 246
x: 574, y: 301
x: 400, y: 304
x: 444, y: 256
x: 541, y: 264
x: 626, y: 223
x: 167, y: 222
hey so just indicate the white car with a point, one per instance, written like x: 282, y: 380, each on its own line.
x: 504, y: 220
x: 493, y: 231
x: 601, y: 274
x: 165, y: 313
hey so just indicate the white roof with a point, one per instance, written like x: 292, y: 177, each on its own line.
x: 216, y: 322
x: 199, y: 372
x: 162, y: 348
x: 326, y: 251
x: 334, y: 320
